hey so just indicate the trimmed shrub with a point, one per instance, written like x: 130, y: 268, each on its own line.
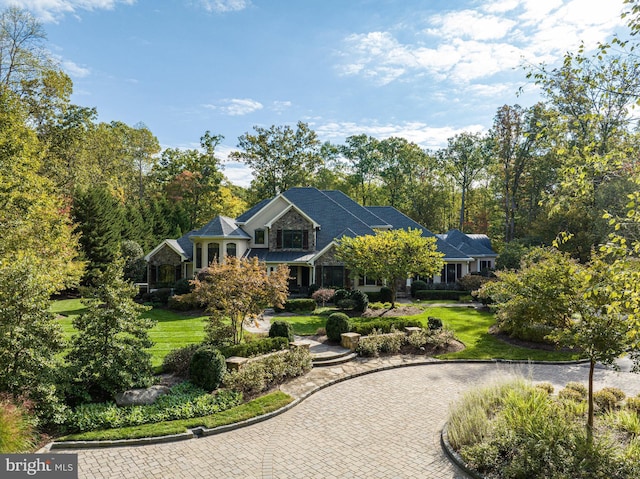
x: 377, y: 343
x: 570, y: 394
x: 360, y: 299
x: 261, y: 374
x: 281, y: 329
x: 337, y: 323
x: 346, y: 304
x: 383, y: 325
x: 160, y: 295
x: 255, y: 348
x: 547, y: 387
x: 207, y: 368
x: 386, y: 295
x: 418, y: 286
x: 434, y: 323
x: 182, y: 286
x: 179, y: 360
x: 341, y: 294
x: 183, y: 302
x: 301, y: 304
x: 618, y: 393
x: 578, y: 387
x: 374, y: 296
x: 440, y: 294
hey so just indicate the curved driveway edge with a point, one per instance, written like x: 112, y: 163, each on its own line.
x: 299, y: 388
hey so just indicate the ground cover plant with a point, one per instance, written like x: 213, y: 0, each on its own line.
x: 185, y: 401
x: 518, y: 430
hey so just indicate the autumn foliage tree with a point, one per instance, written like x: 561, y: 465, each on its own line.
x: 238, y: 289
x: 391, y: 256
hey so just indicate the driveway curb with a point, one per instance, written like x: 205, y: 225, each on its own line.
x: 201, y: 431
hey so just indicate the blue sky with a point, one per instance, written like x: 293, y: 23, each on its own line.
x: 424, y: 70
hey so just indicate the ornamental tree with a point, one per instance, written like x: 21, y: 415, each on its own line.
x: 391, y: 256
x: 238, y: 289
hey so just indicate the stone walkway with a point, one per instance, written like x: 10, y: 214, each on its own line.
x: 381, y: 425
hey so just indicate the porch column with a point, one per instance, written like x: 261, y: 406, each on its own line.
x: 205, y: 255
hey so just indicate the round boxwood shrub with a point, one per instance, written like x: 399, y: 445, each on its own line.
x: 182, y: 286
x: 418, y: 285
x: 434, y: 323
x: 361, y: 301
x: 178, y: 361
x: 386, y: 295
x: 337, y: 323
x: 341, y: 294
x: 207, y: 368
x: 281, y: 329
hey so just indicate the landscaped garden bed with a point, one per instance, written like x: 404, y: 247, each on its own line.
x: 521, y: 430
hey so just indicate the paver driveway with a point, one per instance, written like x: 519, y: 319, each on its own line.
x: 382, y: 425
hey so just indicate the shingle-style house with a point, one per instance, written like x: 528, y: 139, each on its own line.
x: 299, y: 228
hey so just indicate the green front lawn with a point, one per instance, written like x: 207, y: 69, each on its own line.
x: 172, y: 330
x: 470, y: 326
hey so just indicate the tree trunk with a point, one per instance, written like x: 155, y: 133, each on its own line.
x: 592, y: 366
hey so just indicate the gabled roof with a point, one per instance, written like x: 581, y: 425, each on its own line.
x: 175, y: 246
x: 474, y: 245
x: 356, y: 209
x: 220, y: 227
x: 332, y: 217
x: 247, y: 215
x: 401, y: 221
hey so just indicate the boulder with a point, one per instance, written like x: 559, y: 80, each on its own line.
x: 141, y: 397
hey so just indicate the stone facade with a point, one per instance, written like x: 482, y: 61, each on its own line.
x: 165, y: 256
x: 328, y: 259
x: 291, y: 220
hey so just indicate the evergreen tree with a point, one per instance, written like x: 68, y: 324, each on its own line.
x: 108, y: 354
x: 99, y: 219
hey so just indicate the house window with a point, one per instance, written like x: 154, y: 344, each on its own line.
x: 213, y: 252
x: 231, y: 249
x: 258, y: 237
x: 451, y: 272
x: 364, y: 281
x: 485, y: 265
x: 292, y: 239
x: 333, y: 276
x: 198, y: 255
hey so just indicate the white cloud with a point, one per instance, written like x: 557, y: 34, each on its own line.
x: 50, y: 10
x: 467, y: 45
x: 75, y: 70
x: 222, y: 6
x: 236, y: 106
x: 420, y: 133
x: 471, y: 24
x: 281, y: 106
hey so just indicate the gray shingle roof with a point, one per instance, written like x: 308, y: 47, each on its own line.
x: 247, y: 215
x: 333, y: 217
x: 401, y: 221
x: 221, y: 227
x: 267, y: 256
x: 473, y: 245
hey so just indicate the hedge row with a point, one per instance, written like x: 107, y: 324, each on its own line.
x: 293, y: 305
x: 255, y: 348
x: 383, y: 325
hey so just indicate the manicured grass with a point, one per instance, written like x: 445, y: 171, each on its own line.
x: 307, y: 324
x: 472, y: 328
x: 257, y: 407
x: 172, y: 330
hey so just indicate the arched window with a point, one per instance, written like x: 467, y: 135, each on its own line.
x: 231, y: 249
x: 198, y: 255
x: 213, y: 252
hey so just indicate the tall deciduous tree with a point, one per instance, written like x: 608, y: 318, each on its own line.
x: 238, y: 289
x: 465, y: 157
x: 279, y: 157
x: 391, y: 256
x: 108, y: 355
x: 364, y: 160
x: 398, y: 161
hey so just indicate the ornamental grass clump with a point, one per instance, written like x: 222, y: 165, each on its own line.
x: 519, y: 430
x: 17, y: 425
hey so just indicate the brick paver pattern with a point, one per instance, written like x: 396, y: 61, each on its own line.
x: 381, y: 425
